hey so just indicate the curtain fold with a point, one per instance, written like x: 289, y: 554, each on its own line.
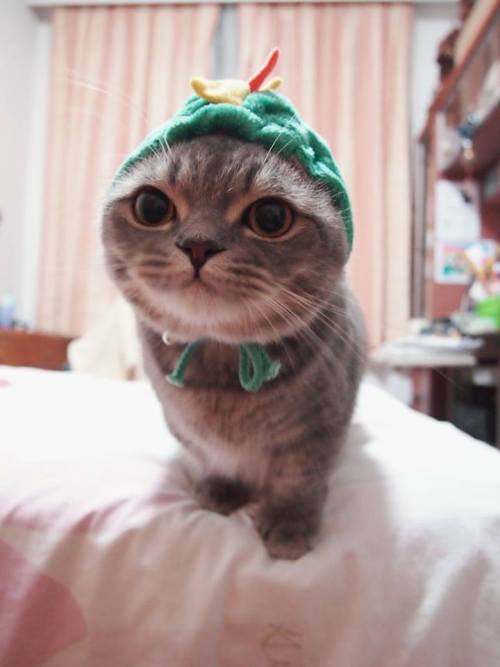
x: 116, y: 74
x: 346, y: 69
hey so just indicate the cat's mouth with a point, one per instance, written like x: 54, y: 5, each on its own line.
x: 195, y: 284
x: 201, y: 280
x: 197, y: 309
x: 212, y: 304
x: 198, y: 306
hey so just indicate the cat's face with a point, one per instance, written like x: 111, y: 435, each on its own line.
x: 222, y: 239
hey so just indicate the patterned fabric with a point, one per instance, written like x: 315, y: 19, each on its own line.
x: 107, y: 561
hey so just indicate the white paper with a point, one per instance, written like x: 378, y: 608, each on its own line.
x: 457, y: 226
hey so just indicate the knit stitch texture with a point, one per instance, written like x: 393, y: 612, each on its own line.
x: 265, y: 118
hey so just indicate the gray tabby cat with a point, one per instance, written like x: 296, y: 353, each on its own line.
x: 219, y: 239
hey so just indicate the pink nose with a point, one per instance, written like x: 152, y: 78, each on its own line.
x: 199, y: 252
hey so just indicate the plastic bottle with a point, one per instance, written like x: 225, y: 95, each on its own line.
x: 7, y: 308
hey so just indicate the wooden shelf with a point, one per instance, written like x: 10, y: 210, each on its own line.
x: 450, y: 83
x: 493, y: 200
x: 486, y: 145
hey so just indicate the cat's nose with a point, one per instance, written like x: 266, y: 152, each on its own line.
x: 199, y: 251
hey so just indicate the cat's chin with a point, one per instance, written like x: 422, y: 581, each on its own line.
x: 196, y: 311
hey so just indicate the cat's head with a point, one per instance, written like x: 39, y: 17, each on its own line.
x: 220, y: 238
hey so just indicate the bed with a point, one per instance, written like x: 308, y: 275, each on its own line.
x: 106, y: 560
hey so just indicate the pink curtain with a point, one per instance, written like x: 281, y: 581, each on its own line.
x: 346, y: 69
x: 117, y: 72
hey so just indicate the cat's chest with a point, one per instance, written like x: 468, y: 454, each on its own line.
x: 225, y: 430
x: 224, y: 417
x: 213, y: 415
x: 228, y: 429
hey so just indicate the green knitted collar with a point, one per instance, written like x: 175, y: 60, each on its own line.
x: 255, y: 368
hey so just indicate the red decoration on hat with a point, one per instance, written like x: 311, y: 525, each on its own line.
x: 258, y: 79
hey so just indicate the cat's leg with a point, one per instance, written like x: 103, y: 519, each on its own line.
x: 222, y: 494
x: 289, y: 515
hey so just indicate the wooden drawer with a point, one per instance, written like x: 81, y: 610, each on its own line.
x: 40, y: 350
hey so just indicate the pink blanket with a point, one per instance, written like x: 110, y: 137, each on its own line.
x: 106, y: 561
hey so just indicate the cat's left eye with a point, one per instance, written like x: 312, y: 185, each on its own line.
x: 152, y: 208
x: 269, y: 218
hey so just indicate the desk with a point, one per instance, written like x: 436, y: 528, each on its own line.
x: 413, y: 357
x: 435, y: 374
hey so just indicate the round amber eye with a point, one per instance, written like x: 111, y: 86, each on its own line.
x: 152, y: 208
x: 269, y: 218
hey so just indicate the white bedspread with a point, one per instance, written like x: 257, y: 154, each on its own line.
x: 106, y: 561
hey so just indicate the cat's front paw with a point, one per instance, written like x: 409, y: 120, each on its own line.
x: 288, y: 538
x: 221, y: 494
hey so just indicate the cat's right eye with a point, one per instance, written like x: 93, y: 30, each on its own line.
x: 152, y: 208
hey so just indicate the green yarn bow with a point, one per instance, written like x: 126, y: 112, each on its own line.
x: 256, y: 366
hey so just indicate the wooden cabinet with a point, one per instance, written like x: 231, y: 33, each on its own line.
x: 40, y: 350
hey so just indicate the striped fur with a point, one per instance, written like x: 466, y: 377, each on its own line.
x: 274, y: 448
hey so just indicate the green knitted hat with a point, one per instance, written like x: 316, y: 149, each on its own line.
x: 245, y: 110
